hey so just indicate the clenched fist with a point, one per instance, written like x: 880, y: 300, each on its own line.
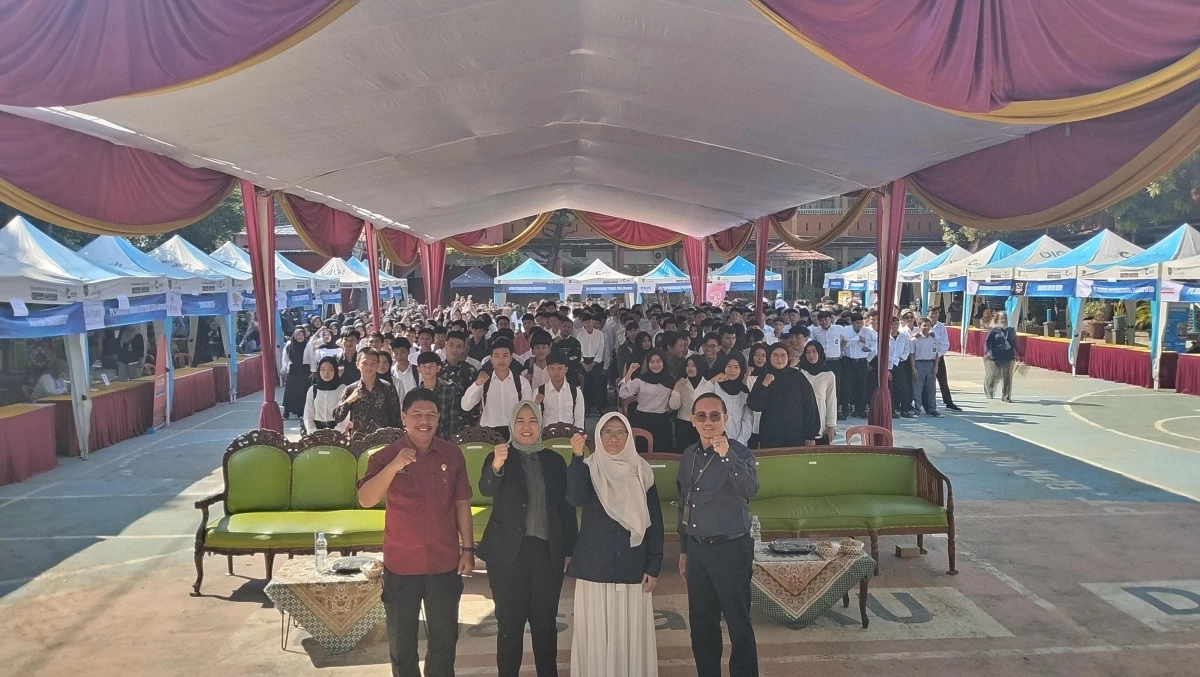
x: 768, y: 380
x: 578, y: 444
x: 501, y: 452
x: 482, y: 378
x: 721, y: 445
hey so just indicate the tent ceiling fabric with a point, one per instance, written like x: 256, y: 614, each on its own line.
x: 452, y: 116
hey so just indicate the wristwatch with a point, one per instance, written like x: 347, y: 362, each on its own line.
x: 470, y: 549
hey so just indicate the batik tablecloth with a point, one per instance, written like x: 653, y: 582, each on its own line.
x: 796, y: 590
x: 338, y: 610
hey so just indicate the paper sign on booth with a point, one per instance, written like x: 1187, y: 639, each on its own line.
x: 19, y: 307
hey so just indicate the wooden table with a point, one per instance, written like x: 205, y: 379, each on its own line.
x: 27, y: 441
x: 337, y: 610
x: 796, y: 590
x: 120, y: 412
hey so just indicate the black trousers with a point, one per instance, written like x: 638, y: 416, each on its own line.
x: 944, y: 383
x: 527, y: 591
x: 857, y: 383
x: 837, y: 366
x: 402, y: 597
x: 901, y: 387
x: 718, y: 585
x: 595, y: 388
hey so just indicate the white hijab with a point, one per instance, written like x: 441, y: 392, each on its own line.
x: 621, y: 482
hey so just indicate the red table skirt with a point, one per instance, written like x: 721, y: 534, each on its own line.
x: 1131, y: 365
x: 1187, y: 374
x: 1051, y: 353
x: 249, y: 375
x: 976, y: 341
x: 117, y: 415
x: 27, y: 441
x: 195, y: 390
x: 220, y: 372
x: 955, y: 336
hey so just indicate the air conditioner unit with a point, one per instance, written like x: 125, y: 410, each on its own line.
x: 658, y: 255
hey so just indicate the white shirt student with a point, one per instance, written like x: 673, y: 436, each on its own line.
x: 561, y: 402
x: 500, y: 392
x: 48, y: 385
x: 861, y: 344
x: 831, y: 337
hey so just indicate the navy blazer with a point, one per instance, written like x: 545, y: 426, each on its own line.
x: 602, y: 551
x: 509, y: 493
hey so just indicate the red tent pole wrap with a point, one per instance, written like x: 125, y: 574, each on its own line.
x: 889, y: 230
x: 260, y: 231
x: 760, y: 266
x: 695, y: 255
x: 433, y: 269
x: 373, y: 264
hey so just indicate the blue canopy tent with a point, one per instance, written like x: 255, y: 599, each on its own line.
x: 472, y: 278
x: 996, y: 278
x: 325, y: 289
x: 528, y: 278
x: 666, y: 278
x: 390, y: 286
x: 866, y: 278
x: 918, y: 273
x: 81, y: 295
x: 836, y: 280
x: 739, y: 274
x: 952, y: 278
x: 1139, y: 278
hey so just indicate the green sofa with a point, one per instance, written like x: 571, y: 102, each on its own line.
x: 839, y: 490
x: 279, y: 493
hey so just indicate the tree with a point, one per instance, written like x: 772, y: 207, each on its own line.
x: 552, y: 247
x: 965, y: 236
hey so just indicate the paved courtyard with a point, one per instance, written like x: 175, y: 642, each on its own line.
x: 1076, y: 509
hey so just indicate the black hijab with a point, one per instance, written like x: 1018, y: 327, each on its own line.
x: 820, y: 366
x: 322, y: 384
x: 736, y: 386
x: 759, y: 371
x: 639, y: 353
x: 772, y: 369
x: 295, y: 350
x: 701, y: 368
x: 662, y: 378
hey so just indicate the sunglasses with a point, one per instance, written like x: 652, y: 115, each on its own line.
x: 704, y: 417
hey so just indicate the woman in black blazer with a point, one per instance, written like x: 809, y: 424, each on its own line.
x: 618, y: 555
x: 529, y: 535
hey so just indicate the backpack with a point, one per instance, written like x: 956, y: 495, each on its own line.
x: 997, y: 342
x: 516, y: 376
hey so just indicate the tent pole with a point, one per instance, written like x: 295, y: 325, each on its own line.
x: 760, y: 266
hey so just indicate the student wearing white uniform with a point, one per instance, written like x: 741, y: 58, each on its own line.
x: 682, y: 396
x: 652, y: 388
x: 861, y: 347
x: 900, y: 365
x: 833, y: 340
x: 729, y: 383
x: 592, y: 344
x: 497, y: 388
x: 926, y: 357
x: 938, y: 330
x: 53, y: 382
x: 824, y: 386
x: 560, y: 401
x: 404, y: 373
x: 322, y: 397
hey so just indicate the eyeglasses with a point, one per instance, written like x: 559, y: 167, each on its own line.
x: 614, y: 434
x: 704, y: 417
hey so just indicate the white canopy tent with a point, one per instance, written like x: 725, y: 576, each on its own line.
x: 600, y: 280
x: 236, y: 257
x: 1104, y: 249
x: 179, y: 253
x: 517, y: 107
x: 1042, y: 250
x: 35, y: 268
x: 116, y: 252
x: 346, y: 276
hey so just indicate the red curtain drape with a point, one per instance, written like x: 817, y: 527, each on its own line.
x: 729, y: 243
x: 695, y: 255
x: 260, y: 235
x: 57, y: 53
x: 889, y: 228
x: 373, y: 265
x: 628, y: 234
x: 84, y: 183
x: 981, y: 55
x: 403, y: 249
x: 433, y: 269
x: 760, y: 266
x: 327, y: 231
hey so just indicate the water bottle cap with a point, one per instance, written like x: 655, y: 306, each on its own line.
x: 320, y: 534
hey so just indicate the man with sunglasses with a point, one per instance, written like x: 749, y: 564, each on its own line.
x: 716, y: 481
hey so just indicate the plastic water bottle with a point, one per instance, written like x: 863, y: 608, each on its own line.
x: 756, y: 531
x: 321, y: 551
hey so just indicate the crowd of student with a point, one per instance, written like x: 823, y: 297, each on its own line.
x: 709, y: 383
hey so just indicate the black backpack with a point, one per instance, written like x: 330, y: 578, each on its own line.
x: 574, y: 395
x: 491, y: 372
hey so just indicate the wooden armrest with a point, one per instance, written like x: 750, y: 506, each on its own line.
x: 204, y: 503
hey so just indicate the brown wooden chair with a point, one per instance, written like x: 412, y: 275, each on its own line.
x: 623, y: 405
x: 870, y: 436
x: 646, y: 435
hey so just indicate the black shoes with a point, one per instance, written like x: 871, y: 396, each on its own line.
x: 953, y: 407
x: 935, y: 414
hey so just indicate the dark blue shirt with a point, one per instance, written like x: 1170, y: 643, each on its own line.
x: 718, y: 491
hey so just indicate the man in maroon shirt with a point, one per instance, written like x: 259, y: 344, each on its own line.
x: 428, y: 514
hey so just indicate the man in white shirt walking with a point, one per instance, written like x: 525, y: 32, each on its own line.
x: 833, y: 339
x: 499, y: 391
x: 938, y: 330
x: 561, y: 401
x: 592, y: 343
x: 862, y: 344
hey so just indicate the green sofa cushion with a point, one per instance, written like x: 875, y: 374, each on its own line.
x: 665, y: 473
x: 562, y: 445
x: 298, y: 528
x: 853, y: 512
x: 323, y: 478
x: 836, y: 474
x: 258, y: 479
x: 475, y: 453
x: 363, y: 460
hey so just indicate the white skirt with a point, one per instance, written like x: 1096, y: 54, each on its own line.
x: 614, y: 631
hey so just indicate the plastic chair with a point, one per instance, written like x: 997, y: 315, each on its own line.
x: 870, y: 436
x: 646, y: 435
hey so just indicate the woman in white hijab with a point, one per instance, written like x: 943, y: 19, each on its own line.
x: 618, y: 555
